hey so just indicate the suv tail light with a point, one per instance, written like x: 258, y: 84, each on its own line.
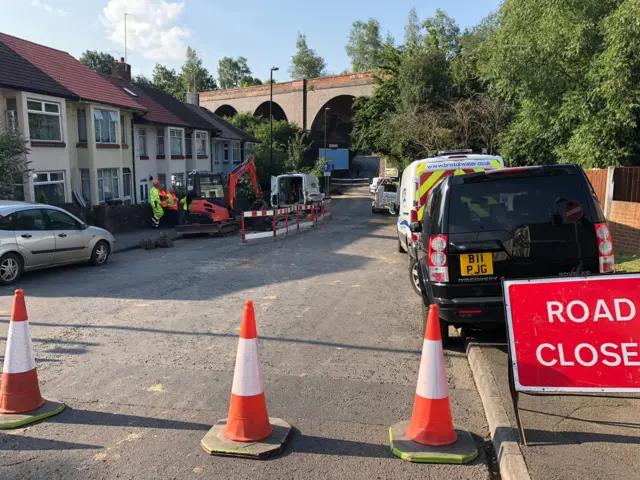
x: 438, y: 260
x: 413, y: 217
x: 605, y: 248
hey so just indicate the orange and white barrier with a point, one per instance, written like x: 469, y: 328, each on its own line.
x: 431, y: 421
x: 317, y: 210
x: 20, y: 398
x: 248, y: 420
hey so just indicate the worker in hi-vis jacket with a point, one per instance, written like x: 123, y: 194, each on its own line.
x: 156, y: 204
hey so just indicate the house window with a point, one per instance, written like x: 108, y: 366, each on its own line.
x: 108, y: 184
x: 160, y: 141
x: 248, y: 150
x: 201, y: 143
x: 225, y: 150
x: 236, y: 153
x: 51, y: 184
x: 177, y: 181
x: 44, y: 120
x: 123, y: 134
x: 126, y: 185
x: 162, y: 179
x: 12, y: 113
x: 142, y: 142
x: 176, y: 141
x: 144, y: 193
x: 85, y: 181
x: 242, y: 152
x: 82, y: 125
x: 106, y: 126
x: 188, y: 147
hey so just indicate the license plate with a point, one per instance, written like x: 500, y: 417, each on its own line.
x: 476, y: 264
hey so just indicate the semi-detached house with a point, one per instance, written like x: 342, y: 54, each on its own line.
x: 78, y: 125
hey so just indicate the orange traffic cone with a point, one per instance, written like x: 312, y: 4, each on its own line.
x: 430, y: 436
x: 248, y: 422
x: 20, y: 399
x: 431, y: 422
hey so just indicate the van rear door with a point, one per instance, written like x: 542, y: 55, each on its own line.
x: 520, y: 224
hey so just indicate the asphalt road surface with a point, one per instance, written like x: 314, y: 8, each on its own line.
x: 143, y: 349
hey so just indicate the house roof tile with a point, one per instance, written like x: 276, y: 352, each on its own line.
x: 228, y: 130
x: 156, y: 113
x: 19, y: 74
x: 70, y: 73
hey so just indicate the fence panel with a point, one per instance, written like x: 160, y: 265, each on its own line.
x: 598, y: 178
x: 626, y: 184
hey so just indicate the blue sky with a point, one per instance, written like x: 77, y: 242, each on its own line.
x: 263, y: 31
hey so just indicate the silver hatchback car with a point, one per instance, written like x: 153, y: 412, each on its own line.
x: 35, y: 236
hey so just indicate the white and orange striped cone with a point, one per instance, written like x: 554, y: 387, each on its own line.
x: 248, y: 431
x: 429, y: 437
x: 20, y: 400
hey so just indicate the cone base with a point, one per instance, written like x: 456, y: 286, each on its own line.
x: 215, y: 443
x: 15, y: 420
x: 462, y: 451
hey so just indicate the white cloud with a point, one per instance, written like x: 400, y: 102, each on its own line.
x: 48, y: 8
x: 152, y: 27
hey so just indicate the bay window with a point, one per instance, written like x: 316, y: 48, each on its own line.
x: 160, y: 133
x: 106, y: 126
x: 44, y: 121
x: 226, y: 153
x: 142, y: 142
x: 108, y: 188
x: 82, y: 125
x: 51, y: 184
x: 201, y: 143
x: 175, y: 136
x: 236, y: 153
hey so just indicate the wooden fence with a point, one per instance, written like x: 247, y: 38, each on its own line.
x: 598, y: 178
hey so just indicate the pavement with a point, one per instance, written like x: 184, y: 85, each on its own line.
x: 127, y: 241
x: 568, y: 437
x: 142, y: 351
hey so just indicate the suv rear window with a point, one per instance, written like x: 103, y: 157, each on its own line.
x: 507, y: 203
x: 390, y: 188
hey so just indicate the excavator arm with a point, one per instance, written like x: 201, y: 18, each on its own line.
x: 247, y: 167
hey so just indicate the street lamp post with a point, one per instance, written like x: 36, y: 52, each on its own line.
x: 327, y: 179
x: 273, y: 69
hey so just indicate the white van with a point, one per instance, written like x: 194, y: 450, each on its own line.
x: 295, y: 188
x: 385, y: 197
x: 374, y: 184
x: 418, y: 179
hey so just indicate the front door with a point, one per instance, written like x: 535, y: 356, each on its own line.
x: 71, y: 241
x: 36, y: 243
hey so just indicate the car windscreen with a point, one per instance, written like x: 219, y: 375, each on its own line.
x: 390, y: 188
x: 509, y: 203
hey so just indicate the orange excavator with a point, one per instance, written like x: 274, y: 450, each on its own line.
x: 211, y: 198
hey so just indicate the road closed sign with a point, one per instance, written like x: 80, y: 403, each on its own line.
x: 578, y: 334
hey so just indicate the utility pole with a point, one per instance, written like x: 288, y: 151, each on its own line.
x: 273, y: 69
x: 326, y: 179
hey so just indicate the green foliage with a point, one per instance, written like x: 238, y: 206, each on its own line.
x: 306, y: 63
x: 442, y: 33
x: 283, y: 133
x: 297, y: 147
x: 234, y: 73
x: 194, y: 77
x: 142, y: 81
x: 101, y: 62
x: 13, y: 163
x: 365, y: 45
x: 168, y: 81
x: 43, y: 198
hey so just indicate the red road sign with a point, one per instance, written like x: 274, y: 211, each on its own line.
x: 575, y: 334
x: 573, y: 212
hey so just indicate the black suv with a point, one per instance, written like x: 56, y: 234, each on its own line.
x: 481, y: 228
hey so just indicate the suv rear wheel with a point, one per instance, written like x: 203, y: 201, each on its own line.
x: 414, y: 275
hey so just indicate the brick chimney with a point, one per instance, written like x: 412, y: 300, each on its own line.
x: 193, y: 98
x: 121, y: 70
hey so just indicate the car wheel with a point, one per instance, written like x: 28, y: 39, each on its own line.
x: 10, y: 268
x: 400, y: 247
x: 100, y: 253
x: 414, y: 275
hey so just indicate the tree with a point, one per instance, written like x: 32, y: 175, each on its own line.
x: 168, y: 81
x: 196, y: 78
x: 142, y: 81
x: 442, y: 33
x: 365, y: 45
x: 101, y: 62
x: 305, y: 63
x: 424, y: 79
x: 297, y: 147
x: 13, y: 163
x: 413, y: 36
x: 234, y: 73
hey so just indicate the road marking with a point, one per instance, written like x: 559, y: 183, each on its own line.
x: 142, y: 305
x: 270, y: 297
x: 356, y: 286
x: 155, y: 388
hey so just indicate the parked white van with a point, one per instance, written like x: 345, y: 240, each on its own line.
x: 295, y: 188
x: 374, y: 184
x: 418, y: 179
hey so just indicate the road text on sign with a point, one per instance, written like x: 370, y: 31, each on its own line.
x: 575, y: 335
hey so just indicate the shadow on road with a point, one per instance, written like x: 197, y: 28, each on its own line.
x: 539, y: 438
x: 21, y: 443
